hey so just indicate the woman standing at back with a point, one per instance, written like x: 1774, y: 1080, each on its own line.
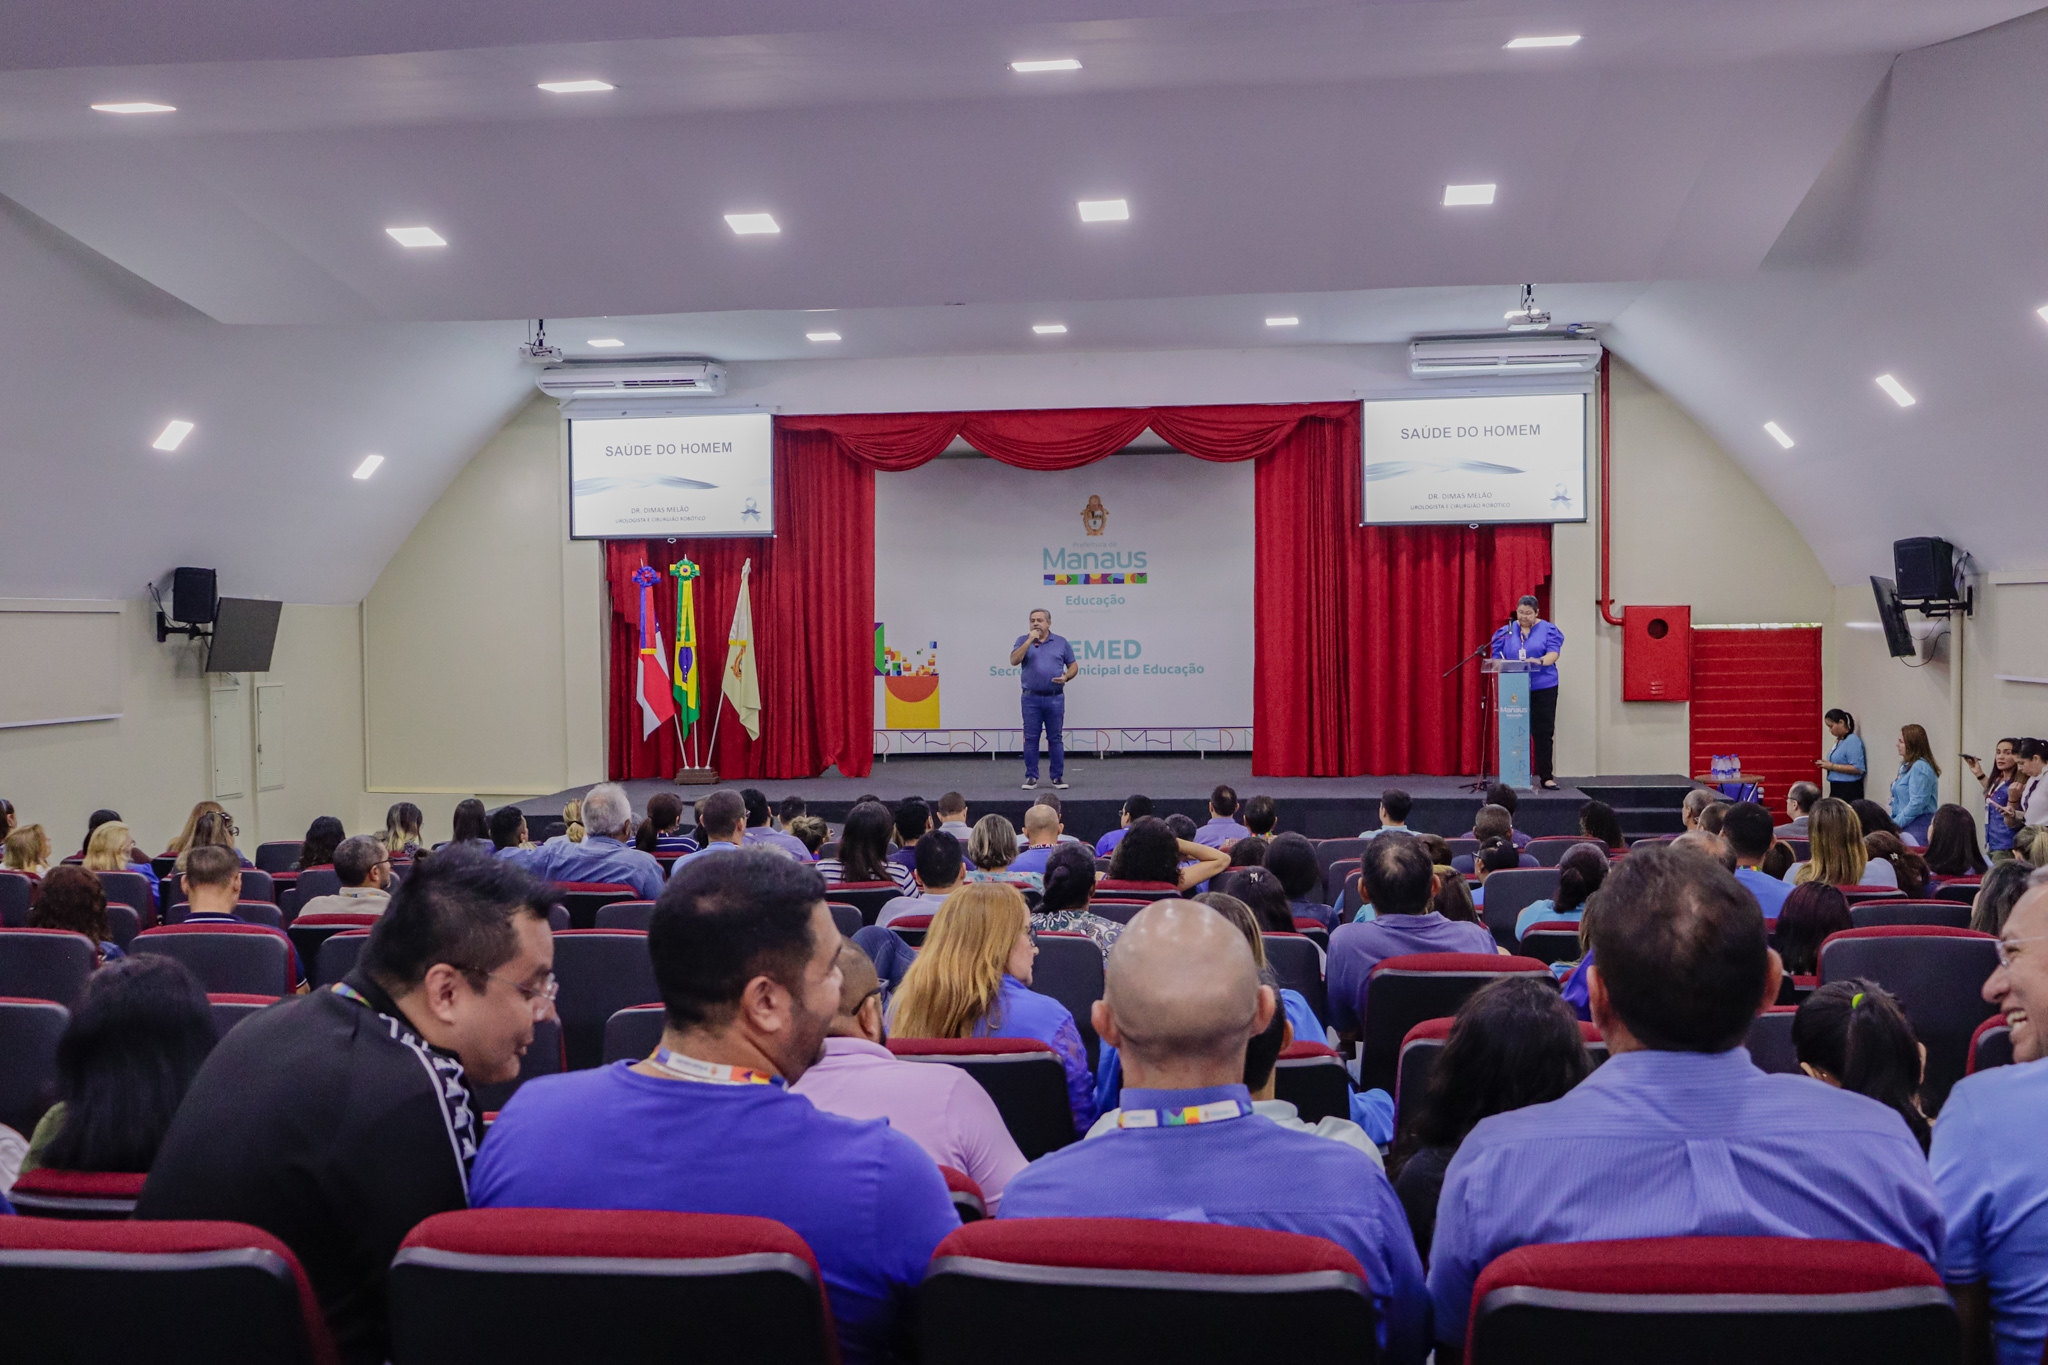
x: 1913, y: 790
x: 1846, y: 762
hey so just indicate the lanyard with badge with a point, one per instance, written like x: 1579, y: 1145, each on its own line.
x: 679, y: 1067
x: 1222, y: 1111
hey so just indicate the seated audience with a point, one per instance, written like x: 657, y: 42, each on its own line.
x: 216, y: 829
x: 1400, y: 884
x: 1579, y: 874
x: 747, y: 962
x: 1223, y: 824
x: 1495, y: 855
x: 1838, y: 855
x: 572, y: 823
x: 1514, y: 1043
x: 509, y: 834
x: 972, y: 979
x: 1042, y: 830
x: 8, y: 819
x: 363, y: 866
x: 662, y: 831
x: 402, y: 837
x: 1778, y: 861
x: 112, y: 849
x: 92, y: 824
x: 1799, y: 799
x: 2000, y: 890
x: 136, y: 1038
x: 1493, y: 824
x: 1990, y: 1166
x: 940, y: 1108
x: 1052, y: 800
x: 1853, y: 1035
x: 1248, y: 852
x: 913, y: 820
x: 1952, y: 847
x: 992, y: 851
x: 721, y: 829
x: 1812, y: 912
x: 1746, y: 829
x: 28, y: 851
x: 952, y: 812
x: 603, y: 855
x: 1394, y: 807
x: 1259, y: 891
x: 1712, y: 847
x: 1710, y: 818
x: 213, y: 886
x: 1262, y: 816
x: 184, y: 839
x: 338, y: 1120
x: 1872, y: 817
x: 1300, y: 1014
x: 811, y: 831
x: 472, y: 826
x: 1292, y: 859
x: 1182, y: 826
x: 791, y: 809
x: 761, y: 826
x: 939, y: 873
x: 73, y: 899
x: 1598, y: 823
x: 1502, y: 795
x: 1069, y: 886
x: 323, y: 836
x: 1135, y: 808
x: 863, y: 854
x: 1182, y: 999
x: 1151, y: 858
x: 1909, y: 869
x: 1696, y: 801
x: 1453, y: 898
x: 1691, y: 1138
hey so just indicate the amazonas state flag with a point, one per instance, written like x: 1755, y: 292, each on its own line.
x: 653, y: 684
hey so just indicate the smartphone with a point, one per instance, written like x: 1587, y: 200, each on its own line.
x: 1969, y: 758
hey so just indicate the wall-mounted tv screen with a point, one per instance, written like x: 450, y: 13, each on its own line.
x: 1512, y: 457
x: 1898, y: 636
x: 710, y: 474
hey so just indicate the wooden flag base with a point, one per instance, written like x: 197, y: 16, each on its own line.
x: 697, y: 777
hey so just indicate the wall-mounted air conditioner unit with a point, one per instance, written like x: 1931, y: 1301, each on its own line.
x: 1502, y: 356
x: 661, y: 379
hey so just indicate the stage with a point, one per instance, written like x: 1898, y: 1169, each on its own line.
x: 1320, y: 807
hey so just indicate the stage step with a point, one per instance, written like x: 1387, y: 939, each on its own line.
x: 1644, y: 806
x: 1641, y: 821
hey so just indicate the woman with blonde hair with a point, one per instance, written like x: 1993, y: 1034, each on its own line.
x: 28, y: 851
x: 184, y: 839
x: 1838, y: 856
x: 215, y: 828
x: 1913, y: 790
x: 572, y: 822
x: 112, y: 849
x: 972, y: 979
x: 402, y: 838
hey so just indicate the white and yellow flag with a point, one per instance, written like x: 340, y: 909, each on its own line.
x: 742, y: 685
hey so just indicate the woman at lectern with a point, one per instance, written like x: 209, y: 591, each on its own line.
x: 1529, y: 636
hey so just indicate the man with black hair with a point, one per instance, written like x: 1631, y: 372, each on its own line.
x: 1223, y: 826
x: 337, y: 1121
x: 746, y: 958
x: 913, y: 819
x: 508, y: 828
x: 761, y: 831
x: 723, y: 818
x: 1291, y: 858
x: 1746, y: 830
x: 1398, y: 882
x: 940, y: 867
x: 1135, y: 808
x: 792, y: 808
x: 1394, y: 807
x: 1678, y: 1134
x: 1262, y: 816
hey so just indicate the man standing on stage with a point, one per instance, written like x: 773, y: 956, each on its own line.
x: 1045, y: 665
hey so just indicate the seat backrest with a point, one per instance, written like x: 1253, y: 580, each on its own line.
x: 1856, y: 895
x: 1963, y: 895
x: 1299, y: 965
x: 968, y: 1200
x: 1463, y: 847
x: 1330, y: 852
x: 1424, y: 1043
x: 866, y: 897
x: 544, y: 1056
x: 130, y: 888
x: 249, y: 912
x: 1725, y: 1298
x: 1511, y: 891
x: 1404, y: 991
x: 258, y: 885
x: 1116, y: 909
x: 154, y: 1291
x: 17, y: 893
x: 632, y: 1034
x: 231, y: 1008
x: 1549, y: 849
x: 600, y: 971
x: 124, y: 922
x: 1311, y: 1077
x: 484, y: 1286
x: 337, y: 956
x: 1069, y: 969
x: 277, y: 855
x: 1090, y: 1289
x: 29, y: 1030
x: 312, y: 883
x: 635, y: 915
x: 845, y: 918
x: 1947, y: 914
x: 1990, y: 1045
x: 1938, y: 975
x: 45, y: 964
x: 1770, y: 1041
x: 1551, y: 940
x: 1022, y: 1075
x: 245, y: 959
x: 91, y: 1196
x: 1143, y: 892
x: 584, y: 899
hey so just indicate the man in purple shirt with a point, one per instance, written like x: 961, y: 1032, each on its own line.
x: 1042, y: 829
x: 1678, y: 1134
x: 1135, y: 809
x: 603, y: 855
x: 761, y: 827
x: 747, y: 962
x: 1045, y: 664
x: 1399, y: 884
x: 940, y: 1108
x: 1223, y: 826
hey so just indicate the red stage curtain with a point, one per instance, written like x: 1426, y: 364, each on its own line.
x: 1352, y: 626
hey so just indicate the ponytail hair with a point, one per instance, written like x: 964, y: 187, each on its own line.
x: 1069, y: 878
x: 1841, y: 717
x: 1855, y: 1032
x: 643, y: 838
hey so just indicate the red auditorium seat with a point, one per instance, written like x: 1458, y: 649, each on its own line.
x: 500, y: 1286
x: 1856, y: 895
x: 1938, y: 976
x: 245, y: 959
x: 16, y: 894
x: 1086, y: 1290
x: 632, y: 1034
x: 45, y: 964
x: 1990, y: 1045
x: 1330, y: 852
x: 601, y: 971
x: 1340, y: 885
x: 309, y: 932
x: 1424, y: 1043
x: 911, y: 928
x: 1511, y: 891
x: 582, y: 900
x: 1551, y: 940
x: 1022, y: 1075
x: 866, y: 897
x: 1299, y: 964
x: 123, y: 924
x: 1310, y: 1075
x: 94, y: 1196
x: 1137, y: 891
x: 230, y: 1008
x: 128, y: 1291
x: 29, y: 1030
x: 1710, y: 1301
x: 1403, y: 991
x: 1961, y: 894
x: 1069, y: 969
x: 256, y: 886
x: 312, y: 883
x: 1871, y: 913
x: 634, y: 915
x: 1770, y: 1041
x: 968, y: 1200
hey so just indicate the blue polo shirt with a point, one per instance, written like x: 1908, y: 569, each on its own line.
x: 1679, y: 1144
x: 1770, y: 893
x: 1032, y: 859
x: 1358, y: 947
x: 598, y: 858
x: 1043, y: 664
x: 867, y: 1199
x: 1993, y: 1177
x: 1108, y: 842
x: 710, y: 850
x: 1848, y: 750
x: 1246, y: 1172
x: 1220, y: 830
x: 1510, y: 642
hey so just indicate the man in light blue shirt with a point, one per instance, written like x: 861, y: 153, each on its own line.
x: 761, y: 829
x: 1045, y: 664
x: 1394, y: 807
x: 1990, y: 1166
x: 1679, y: 1134
x: 723, y: 816
x: 1223, y: 824
x: 1181, y: 999
x: 1746, y: 829
x: 603, y: 855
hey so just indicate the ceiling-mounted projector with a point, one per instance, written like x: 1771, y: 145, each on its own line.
x: 651, y: 379
x: 1501, y: 355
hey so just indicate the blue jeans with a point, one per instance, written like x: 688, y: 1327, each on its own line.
x: 1050, y: 714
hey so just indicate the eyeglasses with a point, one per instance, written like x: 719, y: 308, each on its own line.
x: 541, y: 997
x: 2005, y: 950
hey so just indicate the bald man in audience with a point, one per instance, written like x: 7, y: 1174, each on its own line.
x: 1042, y: 830
x: 1181, y: 999
x: 940, y: 1108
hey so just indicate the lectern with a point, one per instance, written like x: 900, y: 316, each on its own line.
x: 1509, y: 681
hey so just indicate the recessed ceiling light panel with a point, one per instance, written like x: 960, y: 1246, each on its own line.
x: 1777, y: 434
x: 1048, y: 64
x: 1104, y: 210
x: 172, y: 436
x: 368, y: 466
x: 136, y: 107
x: 1895, y: 390
x: 752, y: 224
x: 1458, y: 196
x: 1049, y: 329
x: 1283, y: 322
x: 576, y: 87
x: 1548, y: 40
x: 605, y: 343
x: 821, y: 336
x: 416, y: 236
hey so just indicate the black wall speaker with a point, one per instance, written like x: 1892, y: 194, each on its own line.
x: 1924, y: 567
x: 192, y: 596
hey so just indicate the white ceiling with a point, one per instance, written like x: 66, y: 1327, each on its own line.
x: 1763, y: 207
